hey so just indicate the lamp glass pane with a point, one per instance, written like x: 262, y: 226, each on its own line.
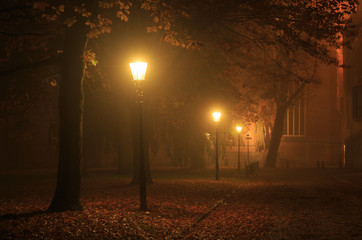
x: 216, y: 116
x: 138, y: 70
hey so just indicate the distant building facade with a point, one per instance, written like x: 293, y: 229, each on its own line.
x: 325, y: 127
x: 353, y: 93
x: 312, y: 135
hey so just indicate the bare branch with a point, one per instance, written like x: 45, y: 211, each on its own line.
x: 40, y: 63
x: 254, y: 41
x: 25, y: 34
x: 301, y: 87
x: 14, y: 8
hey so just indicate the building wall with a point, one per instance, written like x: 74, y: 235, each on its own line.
x: 333, y: 132
x: 352, y: 76
x: 322, y: 141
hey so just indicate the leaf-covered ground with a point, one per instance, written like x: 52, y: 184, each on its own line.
x: 278, y: 204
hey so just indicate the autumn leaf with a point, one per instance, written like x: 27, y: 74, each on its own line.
x: 40, y: 5
x: 70, y: 21
x: 90, y: 57
x: 61, y: 8
x: 53, y: 83
x: 122, y: 16
x: 50, y: 17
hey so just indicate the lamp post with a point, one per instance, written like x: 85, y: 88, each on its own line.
x: 247, y: 164
x: 139, y: 71
x: 238, y: 129
x: 216, y: 116
x: 247, y: 140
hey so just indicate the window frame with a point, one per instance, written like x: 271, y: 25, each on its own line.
x: 286, y: 128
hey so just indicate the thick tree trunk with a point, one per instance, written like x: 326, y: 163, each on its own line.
x: 67, y: 193
x: 276, y: 136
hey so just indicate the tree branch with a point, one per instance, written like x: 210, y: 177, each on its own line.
x: 14, y: 8
x: 301, y: 87
x: 25, y: 34
x: 255, y: 42
x: 44, y: 62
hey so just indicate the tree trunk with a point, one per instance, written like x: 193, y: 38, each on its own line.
x: 276, y: 136
x: 67, y: 193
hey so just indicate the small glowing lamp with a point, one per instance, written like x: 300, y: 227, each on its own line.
x: 138, y: 70
x: 216, y: 116
x: 207, y: 135
x: 238, y: 129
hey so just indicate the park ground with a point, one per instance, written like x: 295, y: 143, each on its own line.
x: 189, y: 204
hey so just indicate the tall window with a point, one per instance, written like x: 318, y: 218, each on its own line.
x: 294, y: 121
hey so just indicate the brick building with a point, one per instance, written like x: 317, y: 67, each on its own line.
x: 313, y: 125
x: 326, y: 126
x: 353, y: 93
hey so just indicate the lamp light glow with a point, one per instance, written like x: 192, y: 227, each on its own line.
x: 238, y: 129
x: 138, y: 70
x: 216, y: 116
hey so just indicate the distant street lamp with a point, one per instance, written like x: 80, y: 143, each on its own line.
x: 216, y: 116
x: 139, y: 72
x: 238, y: 129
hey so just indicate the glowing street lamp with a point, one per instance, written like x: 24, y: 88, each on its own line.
x: 217, y: 116
x: 139, y: 72
x: 238, y: 129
